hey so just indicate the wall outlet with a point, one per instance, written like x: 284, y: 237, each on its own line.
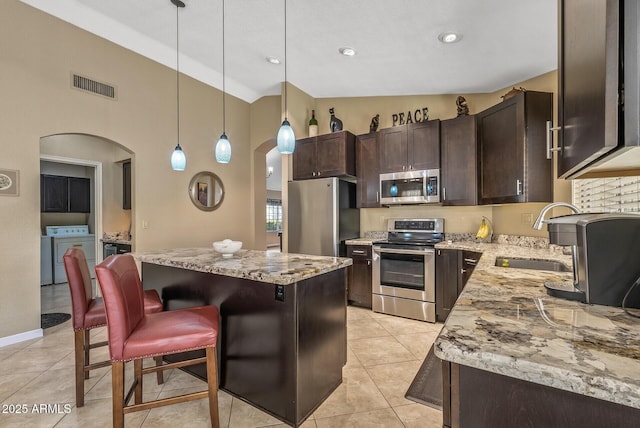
x: 145, y: 224
x: 526, y: 218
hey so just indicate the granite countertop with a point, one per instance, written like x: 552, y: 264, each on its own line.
x: 263, y: 266
x: 116, y: 238
x: 505, y: 323
x: 362, y: 241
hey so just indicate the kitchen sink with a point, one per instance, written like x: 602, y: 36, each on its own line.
x: 510, y: 262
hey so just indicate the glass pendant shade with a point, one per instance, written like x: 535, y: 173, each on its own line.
x: 286, y: 139
x: 178, y: 159
x: 223, y: 149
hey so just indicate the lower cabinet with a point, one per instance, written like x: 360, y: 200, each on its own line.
x: 359, y: 282
x: 453, y: 269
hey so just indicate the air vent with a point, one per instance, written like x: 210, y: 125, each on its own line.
x: 93, y: 86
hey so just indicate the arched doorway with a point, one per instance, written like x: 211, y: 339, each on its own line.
x: 100, y: 161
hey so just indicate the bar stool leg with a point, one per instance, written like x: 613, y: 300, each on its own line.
x: 117, y: 390
x: 79, y: 336
x: 212, y: 384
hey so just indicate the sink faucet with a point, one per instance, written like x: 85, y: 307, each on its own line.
x: 537, y: 225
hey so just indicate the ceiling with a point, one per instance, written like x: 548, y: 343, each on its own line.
x: 398, y: 52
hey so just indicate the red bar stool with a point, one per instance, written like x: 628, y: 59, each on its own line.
x: 134, y: 335
x: 88, y: 313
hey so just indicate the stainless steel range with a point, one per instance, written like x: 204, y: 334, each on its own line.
x: 404, y: 268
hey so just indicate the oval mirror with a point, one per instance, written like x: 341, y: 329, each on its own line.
x: 206, y: 191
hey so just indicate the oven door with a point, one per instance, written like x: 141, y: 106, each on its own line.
x: 406, y: 273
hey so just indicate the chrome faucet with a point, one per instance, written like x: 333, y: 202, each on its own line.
x: 537, y: 225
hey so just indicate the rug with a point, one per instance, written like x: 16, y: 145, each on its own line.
x: 53, y: 319
x: 426, y: 387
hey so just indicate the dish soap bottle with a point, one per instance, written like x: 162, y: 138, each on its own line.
x: 313, y: 124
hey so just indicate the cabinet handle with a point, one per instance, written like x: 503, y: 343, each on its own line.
x: 318, y: 173
x: 368, y: 262
x: 404, y: 167
x: 359, y: 252
x: 77, y: 245
x: 549, y: 134
x: 518, y: 187
x: 471, y: 261
x: 444, y: 193
x: 313, y: 173
x: 377, y: 196
x: 463, y: 270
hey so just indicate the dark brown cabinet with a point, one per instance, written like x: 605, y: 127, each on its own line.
x: 453, y: 269
x: 328, y: 155
x: 513, y: 165
x: 126, y: 186
x: 367, y: 171
x: 459, y: 172
x: 65, y: 194
x: 415, y: 146
x: 359, y: 281
x: 598, y: 97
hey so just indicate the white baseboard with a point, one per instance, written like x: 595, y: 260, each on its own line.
x: 21, y: 337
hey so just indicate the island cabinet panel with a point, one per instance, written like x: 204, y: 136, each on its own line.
x: 415, y: 146
x: 368, y: 187
x: 328, y: 155
x: 512, y: 150
x: 458, y: 145
x: 280, y: 347
x: 479, y: 398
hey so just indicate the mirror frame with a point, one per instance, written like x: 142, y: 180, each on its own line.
x: 193, y: 190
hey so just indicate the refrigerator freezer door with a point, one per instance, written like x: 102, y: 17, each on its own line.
x: 313, y: 217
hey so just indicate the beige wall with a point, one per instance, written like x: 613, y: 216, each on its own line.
x: 39, y: 53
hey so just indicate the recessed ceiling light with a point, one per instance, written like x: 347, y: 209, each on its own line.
x: 450, y: 37
x: 273, y: 60
x: 347, y: 51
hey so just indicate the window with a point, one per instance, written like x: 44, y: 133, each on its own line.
x: 615, y: 194
x: 274, y: 215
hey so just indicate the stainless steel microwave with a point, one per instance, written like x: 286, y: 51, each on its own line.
x: 410, y: 187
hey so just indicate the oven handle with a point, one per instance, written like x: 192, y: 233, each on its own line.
x: 402, y: 251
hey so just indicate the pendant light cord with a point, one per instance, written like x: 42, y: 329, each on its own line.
x: 286, y: 111
x: 224, y: 118
x: 177, y: 74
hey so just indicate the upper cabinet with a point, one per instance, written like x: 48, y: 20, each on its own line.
x: 513, y: 166
x: 126, y: 185
x: 598, y: 86
x: 459, y: 173
x: 328, y: 155
x: 367, y: 170
x: 60, y: 194
x: 414, y: 146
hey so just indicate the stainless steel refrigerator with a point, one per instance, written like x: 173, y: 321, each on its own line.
x: 322, y: 214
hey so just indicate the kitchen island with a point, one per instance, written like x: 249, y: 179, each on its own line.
x: 282, y: 340
x: 514, y: 356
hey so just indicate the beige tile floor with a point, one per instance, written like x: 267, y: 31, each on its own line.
x: 384, y: 353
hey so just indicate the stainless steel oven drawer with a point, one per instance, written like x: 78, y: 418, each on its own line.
x: 408, y: 308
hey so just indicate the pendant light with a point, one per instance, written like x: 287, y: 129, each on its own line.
x: 178, y: 159
x: 286, y: 138
x: 223, y: 147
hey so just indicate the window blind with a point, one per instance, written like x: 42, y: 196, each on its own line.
x: 614, y: 194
